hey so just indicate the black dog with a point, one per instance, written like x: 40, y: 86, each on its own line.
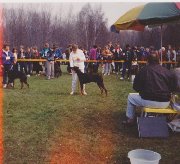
x: 14, y: 74
x: 90, y: 77
x: 57, y: 70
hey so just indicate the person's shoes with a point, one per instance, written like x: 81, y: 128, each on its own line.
x: 28, y: 75
x: 84, y: 93
x: 128, y: 122
x: 5, y: 86
x: 108, y: 74
x: 72, y: 93
x: 121, y: 78
x: 52, y: 77
x: 10, y: 86
x: 48, y: 78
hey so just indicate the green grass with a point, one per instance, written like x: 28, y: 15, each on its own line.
x: 44, y: 121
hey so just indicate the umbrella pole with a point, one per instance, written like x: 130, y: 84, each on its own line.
x: 161, y: 44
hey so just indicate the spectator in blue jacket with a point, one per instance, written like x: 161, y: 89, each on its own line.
x: 50, y: 58
x: 7, y: 61
x: 57, y: 54
x: 43, y: 55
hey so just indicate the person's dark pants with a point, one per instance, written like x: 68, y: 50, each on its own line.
x: 29, y: 68
x: 118, y: 66
x: 126, y: 65
x: 173, y: 65
x: 141, y: 65
x: 68, y: 67
x: 59, y: 64
x: 6, y: 73
x: 168, y: 66
x: 164, y: 65
x: 23, y: 67
x: 95, y: 67
x: 15, y: 67
x: 86, y: 67
x: 37, y: 67
x: 92, y: 67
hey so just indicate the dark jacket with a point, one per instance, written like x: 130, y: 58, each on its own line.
x: 21, y: 55
x: 28, y: 55
x: 128, y: 56
x: 155, y: 83
x: 117, y: 55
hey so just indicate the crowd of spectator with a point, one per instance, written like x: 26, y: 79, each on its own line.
x: 112, y: 54
x: 107, y: 57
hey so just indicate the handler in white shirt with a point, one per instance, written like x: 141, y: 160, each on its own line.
x: 77, y: 59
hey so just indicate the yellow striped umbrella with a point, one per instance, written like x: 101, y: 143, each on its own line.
x: 150, y: 14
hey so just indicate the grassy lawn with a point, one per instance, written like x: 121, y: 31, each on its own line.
x: 44, y: 124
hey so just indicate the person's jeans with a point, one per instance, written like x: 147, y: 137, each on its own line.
x: 107, y: 68
x: 44, y: 67
x: 135, y: 100
x: 50, y: 68
x: 75, y: 80
x: 29, y: 68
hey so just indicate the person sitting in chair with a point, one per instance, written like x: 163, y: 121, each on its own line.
x: 154, y: 85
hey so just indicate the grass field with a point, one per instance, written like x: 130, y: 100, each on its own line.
x: 44, y: 124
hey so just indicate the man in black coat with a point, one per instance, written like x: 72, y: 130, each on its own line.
x: 128, y: 58
x: 154, y: 85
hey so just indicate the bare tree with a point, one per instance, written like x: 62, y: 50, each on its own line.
x: 30, y: 25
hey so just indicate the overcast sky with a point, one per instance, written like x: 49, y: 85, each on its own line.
x: 112, y: 10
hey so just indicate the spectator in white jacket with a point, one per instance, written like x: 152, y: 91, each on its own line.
x: 77, y: 59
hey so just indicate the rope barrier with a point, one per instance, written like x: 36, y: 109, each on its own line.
x: 89, y: 61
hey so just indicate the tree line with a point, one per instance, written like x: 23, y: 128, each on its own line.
x: 30, y: 27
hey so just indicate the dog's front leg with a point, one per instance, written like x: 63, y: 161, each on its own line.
x: 99, y: 85
x: 103, y: 87
x: 22, y: 85
x: 81, y: 86
x: 13, y: 85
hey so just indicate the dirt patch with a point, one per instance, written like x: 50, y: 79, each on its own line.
x: 77, y: 148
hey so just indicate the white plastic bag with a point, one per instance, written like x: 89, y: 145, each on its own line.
x: 175, y: 102
x: 175, y: 125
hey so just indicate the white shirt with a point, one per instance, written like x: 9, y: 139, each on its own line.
x: 73, y: 59
x: 174, y: 52
x: 64, y: 56
x: 6, y: 52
